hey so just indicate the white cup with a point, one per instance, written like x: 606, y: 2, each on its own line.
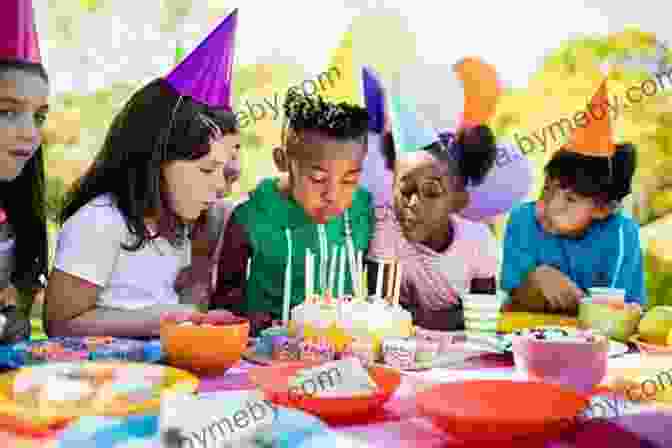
x: 607, y: 296
x: 482, y: 311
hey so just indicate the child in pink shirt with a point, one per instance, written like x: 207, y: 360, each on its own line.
x: 443, y: 255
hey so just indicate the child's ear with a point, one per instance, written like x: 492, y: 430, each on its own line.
x: 601, y: 212
x: 280, y: 159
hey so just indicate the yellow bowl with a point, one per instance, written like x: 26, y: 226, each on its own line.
x: 205, y: 350
x: 512, y: 321
x: 648, y: 348
x: 623, y: 322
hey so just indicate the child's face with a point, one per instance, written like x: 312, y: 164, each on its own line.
x: 323, y: 173
x: 425, y: 197
x: 23, y: 109
x: 561, y: 211
x: 193, y: 185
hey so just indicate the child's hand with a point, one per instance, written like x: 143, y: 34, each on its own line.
x: 8, y: 296
x: 560, y: 292
x: 259, y: 321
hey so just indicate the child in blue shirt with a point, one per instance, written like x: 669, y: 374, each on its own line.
x: 575, y: 236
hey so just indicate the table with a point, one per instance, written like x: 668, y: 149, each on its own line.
x: 400, y: 426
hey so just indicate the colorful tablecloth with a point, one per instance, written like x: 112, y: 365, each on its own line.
x: 400, y: 425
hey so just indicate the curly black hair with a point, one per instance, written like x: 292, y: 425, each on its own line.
x: 605, y: 180
x: 471, y: 152
x: 341, y: 121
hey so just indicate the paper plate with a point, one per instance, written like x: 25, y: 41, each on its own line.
x: 68, y: 349
x: 291, y: 429
x: 120, y: 389
x: 274, y: 382
x: 499, y: 410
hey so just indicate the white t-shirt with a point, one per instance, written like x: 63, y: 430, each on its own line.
x: 89, y: 247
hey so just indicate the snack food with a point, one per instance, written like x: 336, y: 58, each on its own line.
x: 81, y: 349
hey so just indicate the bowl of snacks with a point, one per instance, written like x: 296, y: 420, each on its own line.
x: 605, y: 310
x: 341, y: 391
x: 656, y: 326
x: 204, y: 343
x: 564, y: 356
x: 649, y: 348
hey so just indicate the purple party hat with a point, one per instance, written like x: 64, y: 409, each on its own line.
x: 374, y: 95
x: 205, y: 74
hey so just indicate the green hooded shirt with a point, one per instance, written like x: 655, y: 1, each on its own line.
x: 265, y: 216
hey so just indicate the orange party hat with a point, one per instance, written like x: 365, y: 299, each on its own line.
x: 595, y: 138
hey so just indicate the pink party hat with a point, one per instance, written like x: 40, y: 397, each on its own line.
x: 205, y: 74
x: 18, y: 34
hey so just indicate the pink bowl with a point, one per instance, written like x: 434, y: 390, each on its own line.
x: 578, y: 365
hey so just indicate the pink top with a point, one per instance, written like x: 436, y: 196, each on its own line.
x: 430, y: 278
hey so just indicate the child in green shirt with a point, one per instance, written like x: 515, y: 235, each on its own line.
x: 315, y: 204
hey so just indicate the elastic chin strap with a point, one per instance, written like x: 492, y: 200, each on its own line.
x: 619, y: 261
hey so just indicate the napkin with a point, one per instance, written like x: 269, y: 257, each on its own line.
x: 345, y: 377
x: 216, y: 419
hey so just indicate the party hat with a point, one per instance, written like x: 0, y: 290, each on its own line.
x: 594, y: 139
x: 18, y: 34
x: 481, y: 90
x: 345, y: 87
x: 205, y: 74
x: 376, y: 178
x: 374, y: 98
x: 410, y: 131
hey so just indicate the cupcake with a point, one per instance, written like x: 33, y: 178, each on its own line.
x: 399, y: 352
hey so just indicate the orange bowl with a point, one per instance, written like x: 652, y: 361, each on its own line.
x: 499, y: 411
x: 648, y: 348
x: 205, y: 350
x: 274, y: 381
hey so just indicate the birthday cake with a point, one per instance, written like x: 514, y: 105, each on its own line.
x: 330, y: 325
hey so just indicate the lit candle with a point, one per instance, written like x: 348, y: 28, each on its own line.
x: 397, y: 286
x: 288, y: 280
x: 307, y: 275
x: 391, y: 276
x: 332, y: 271
x: 341, y: 271
x: 379, y: 280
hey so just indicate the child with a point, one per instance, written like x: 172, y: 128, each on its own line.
x: 443, y: 255
x: 313, y: 206
x: 575, y: 236
x: 129, y: 221
x: 24, y: 94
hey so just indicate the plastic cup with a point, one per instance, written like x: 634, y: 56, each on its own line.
x: 608, y: 296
